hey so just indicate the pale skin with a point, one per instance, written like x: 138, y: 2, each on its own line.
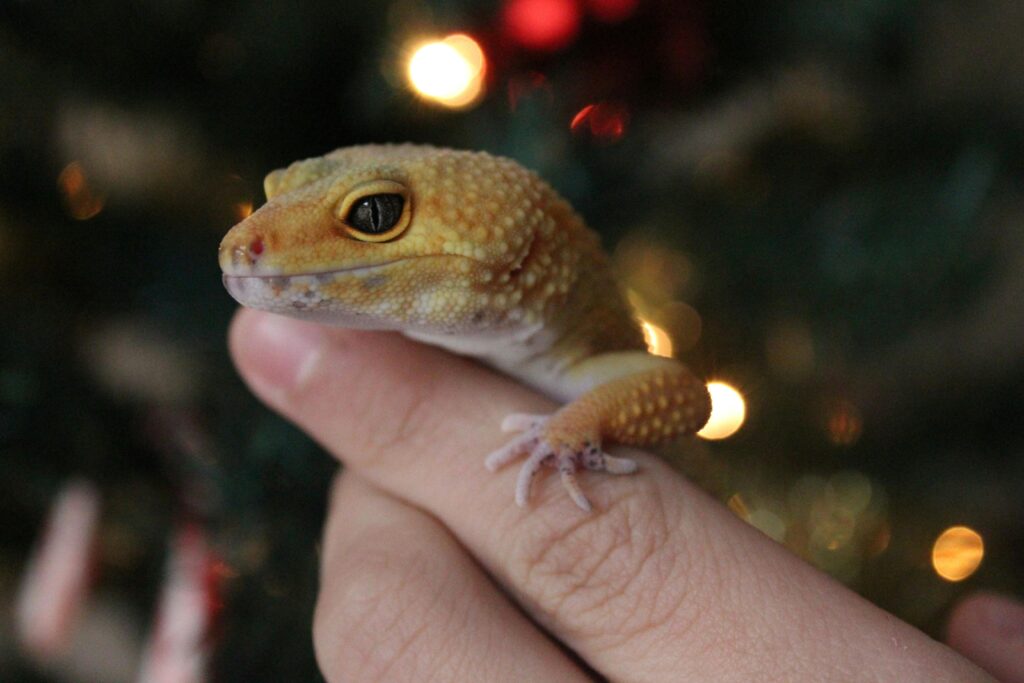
x: 429, y: 574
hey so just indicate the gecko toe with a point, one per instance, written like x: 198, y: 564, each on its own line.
x: 541, y: 454
x: 567, y: 471
x: 524, y: 443
x: 593, y: 458
x: 521, y: 422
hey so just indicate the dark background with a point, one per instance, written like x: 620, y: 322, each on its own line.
x: 820, y: 202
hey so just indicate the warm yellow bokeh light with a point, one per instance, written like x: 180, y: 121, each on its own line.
x: 448, y: 71
x: 657, y: 340
x: 728, y: 410
x: 957, y: 553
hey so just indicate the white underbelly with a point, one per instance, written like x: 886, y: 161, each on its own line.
x: 522, y: 355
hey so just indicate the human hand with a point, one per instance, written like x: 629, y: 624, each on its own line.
x: 430, y: 571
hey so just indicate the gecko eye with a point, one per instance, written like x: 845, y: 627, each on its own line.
x: 375, y: 212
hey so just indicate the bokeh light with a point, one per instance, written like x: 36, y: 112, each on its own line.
x: 657, y: 340
x: 657, y: 272
x: 728, y: 411
x: 881, y: 540
x: 545, y: 25
x: 604, y: 121
x: 448, y: 71
x: 957, y: 553
x: 844, y: 423
x: 683, y: 324
x: 81, y: 200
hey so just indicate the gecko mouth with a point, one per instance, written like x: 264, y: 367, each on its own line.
x: 358, y: 297
x: 303, y: 294
x: 313, y: 273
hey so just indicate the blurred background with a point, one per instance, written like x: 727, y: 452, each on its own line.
x: 817, y: 205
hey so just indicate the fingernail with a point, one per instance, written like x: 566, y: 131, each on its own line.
x: 289, y: 350
x: 1006, y: 617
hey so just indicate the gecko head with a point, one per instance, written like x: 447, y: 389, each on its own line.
x: 406, y: 237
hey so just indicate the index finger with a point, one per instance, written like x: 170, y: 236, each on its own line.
x: 661, y: 583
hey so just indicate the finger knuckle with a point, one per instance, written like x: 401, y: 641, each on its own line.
x: 615, y: 575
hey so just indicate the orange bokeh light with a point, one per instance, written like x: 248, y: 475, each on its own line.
x: 957, y: 553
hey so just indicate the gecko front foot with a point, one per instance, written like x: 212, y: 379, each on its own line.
x: 547, y: 442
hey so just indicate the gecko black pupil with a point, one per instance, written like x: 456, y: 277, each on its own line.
x: 377, y: 213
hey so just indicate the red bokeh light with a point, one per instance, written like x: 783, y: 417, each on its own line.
x: 541, y: 24
x: 612, y: 11
x: 605, y: 121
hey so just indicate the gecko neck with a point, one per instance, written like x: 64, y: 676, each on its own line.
x: 589, y: 321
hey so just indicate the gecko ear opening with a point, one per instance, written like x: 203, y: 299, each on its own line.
x: 377, y: 211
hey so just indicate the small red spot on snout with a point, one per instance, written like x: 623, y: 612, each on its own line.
x: 247, y: 254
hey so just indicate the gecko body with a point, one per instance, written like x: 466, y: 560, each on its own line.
x: 477, y: 255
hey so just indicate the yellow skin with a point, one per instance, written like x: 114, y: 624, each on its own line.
x: 483, y: 259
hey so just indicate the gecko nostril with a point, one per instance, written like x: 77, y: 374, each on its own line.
x: 247, y: 254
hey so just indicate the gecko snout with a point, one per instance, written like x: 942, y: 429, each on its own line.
x: 241, y: 255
